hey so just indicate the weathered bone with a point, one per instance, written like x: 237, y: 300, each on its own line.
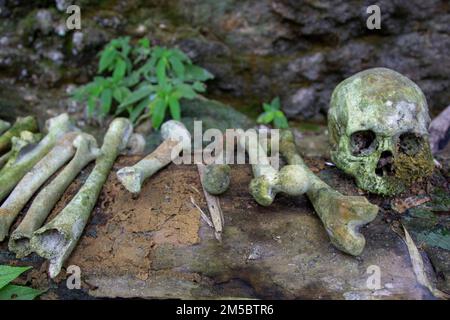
x: 44, y: 202
x: 17, y: 144
x: 341, y: 215
x: 56, y: 240
x: 4, y: 126
x: 216, y: 179
x: 136, y: 144
x: 216, y: 176
x: 291, y: 179
x: 33, y: 180
x: 21, y: 124
x: 57, y: 127
x: 176, y: 139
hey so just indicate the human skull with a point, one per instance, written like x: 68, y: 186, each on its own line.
x: 378, y: 123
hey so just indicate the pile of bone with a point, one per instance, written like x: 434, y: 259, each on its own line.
x: 30, y: 160
x: 341, y: 215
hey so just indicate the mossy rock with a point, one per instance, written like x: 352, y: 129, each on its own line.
x: 212, y: 113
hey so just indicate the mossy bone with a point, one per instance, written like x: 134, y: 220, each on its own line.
x: 86, y: 151
x: 341, y: 215
x: 12, y: 173
x: 267, y: 182
x: 56, y: 240
x: 378, y: 122
x: 176, y: 139
x: 34, y: 179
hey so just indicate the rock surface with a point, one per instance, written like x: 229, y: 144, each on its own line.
x: 257, y: 49
x: 157, y: 245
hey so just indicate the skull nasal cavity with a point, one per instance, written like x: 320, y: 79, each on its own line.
x: 409, y: 143
x: 385, y: 164
x: 363, y: 142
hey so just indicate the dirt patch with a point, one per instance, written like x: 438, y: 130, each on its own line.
x: 124, y: 229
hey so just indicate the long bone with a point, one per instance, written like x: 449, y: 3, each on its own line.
x: 342, y: 216
x: 34, y: 179
x: 47, y: 198
x: 4, y: 126
x: 10, y: 176
x: 22, y: 124
x: 56, y: 240
x: 267, y: 182
x: 176, y: 139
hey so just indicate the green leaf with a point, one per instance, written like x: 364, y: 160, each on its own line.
x: 161, y: 70
x: 144, y: 42
x: 158, y: 112
x: 275, y: 103
x: 174, y: 106
x: 91, y: 105
x: 267, y: 107
x: 185, y: 91
x: 177, y: 66
x: 136, y: 112
x: 137, y: 95
x: 106, y: 100
x: 193, y: 73
x: 106, y: 59
x: 280, y: 120
x: 8, y: 274
x: 180, y: 55
x: 119, y: 70
x: 13, y: 292
x: 198, y: 86
x: 265, y: 118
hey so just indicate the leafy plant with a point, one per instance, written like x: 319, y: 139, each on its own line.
x: 142, y: 81
x: 273, y: 114
x: 10, y: 291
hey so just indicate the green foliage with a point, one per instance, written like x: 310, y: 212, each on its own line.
x: 13, y: 292
x: 273, y: 114
x: 142, y: 81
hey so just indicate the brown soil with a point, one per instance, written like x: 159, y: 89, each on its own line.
x: 125, y: 229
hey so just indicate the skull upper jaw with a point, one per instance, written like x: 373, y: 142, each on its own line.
x: 363, y: 170
x: 371, y: 175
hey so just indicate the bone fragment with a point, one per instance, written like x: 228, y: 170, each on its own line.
x: 47, y: 198
x: 176, y: 139
x: 19, y: 145
x: 11, y: 175
x: 22, y: 124
x: 213, y: 206
x: 33, y: 180
x: 342, y: 216
x: 56, y: 240
x: 136, y: 144
x: 215, y: 177
x: 4, y: 126
x: 291, y: 179
x: 4, y: 159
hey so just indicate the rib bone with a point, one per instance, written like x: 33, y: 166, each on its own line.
x: 44, y: 202
x: 176, y: 138
x: 33, y: 180
x: 57, y: 127
x: 56, y: 240
x: 341, y: 215
x: 21, y: 124
x: 291, y: 179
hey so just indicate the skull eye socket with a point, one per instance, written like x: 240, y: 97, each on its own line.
x: 409, y: 143
x: 363, y: 142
